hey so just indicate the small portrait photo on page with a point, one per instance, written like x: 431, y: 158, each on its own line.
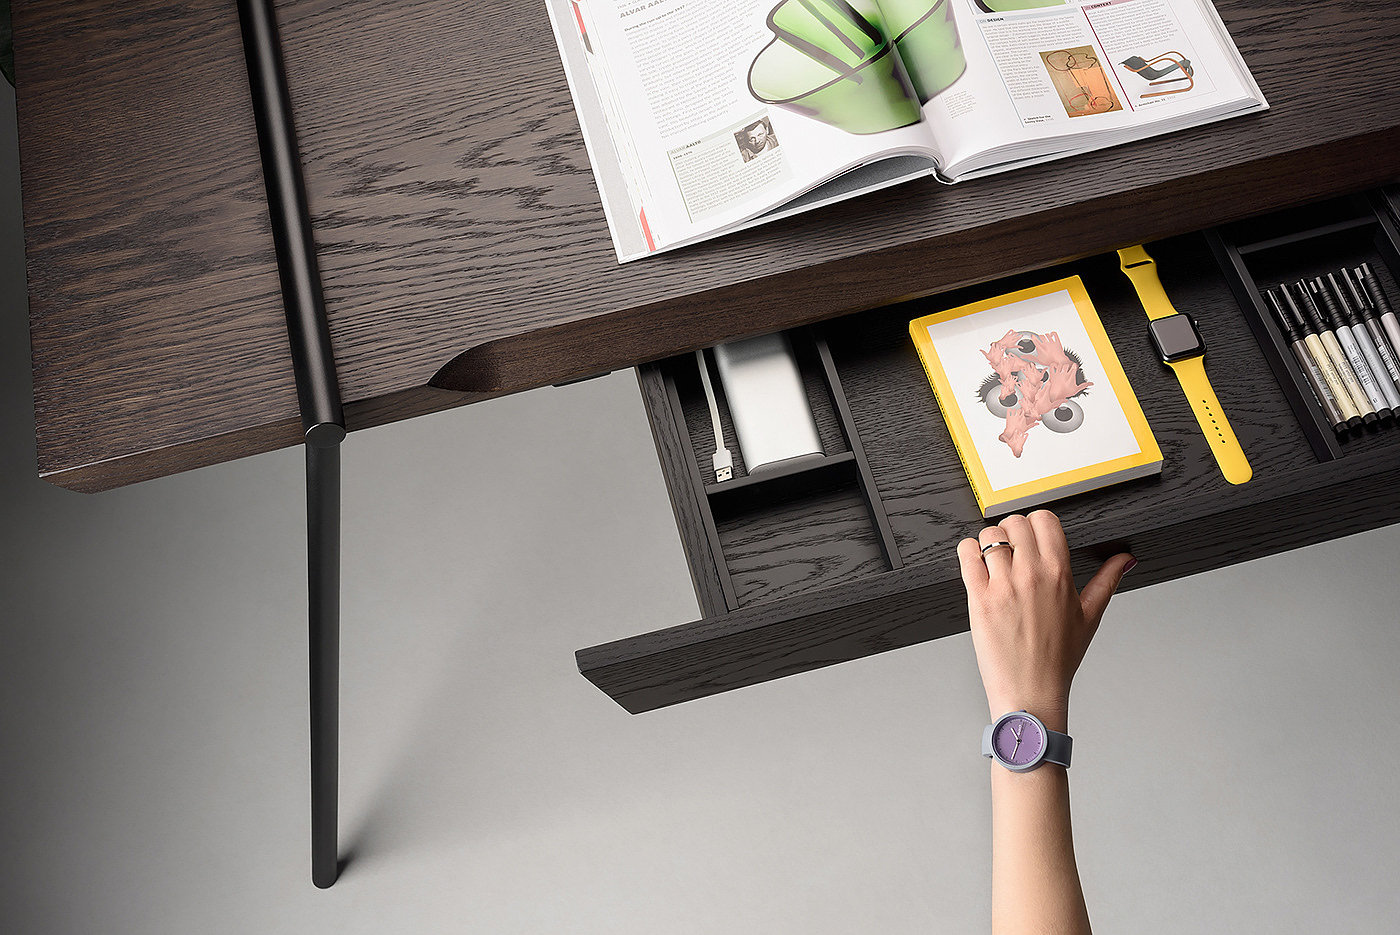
x: 756, y: 139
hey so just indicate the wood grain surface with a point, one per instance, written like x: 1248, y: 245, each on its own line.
x: 155, y: 317
x: 799, y: 545
x: 460, y: 233
x: 676, y: 453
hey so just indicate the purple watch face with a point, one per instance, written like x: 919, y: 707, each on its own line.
x: 1018, y: 740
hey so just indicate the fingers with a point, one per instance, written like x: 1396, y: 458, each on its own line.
x: 974, y: 570
x: 1021, y: 536
x: 998, y: 561
x: 1036, y: 539
x: 1094, y: 597
x: 1050, y: 538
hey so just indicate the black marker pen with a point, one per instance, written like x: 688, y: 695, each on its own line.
x: 1323, y: 359
x: 1341, y: 323
x: 1357, y: 323
x: 1305, y: 361
x: 1334, y: 351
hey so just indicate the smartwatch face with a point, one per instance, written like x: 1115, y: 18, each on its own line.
x: 1176, y: 338
x: 1018, y: 741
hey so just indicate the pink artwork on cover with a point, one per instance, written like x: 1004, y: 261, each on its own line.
x: 1034, y: 381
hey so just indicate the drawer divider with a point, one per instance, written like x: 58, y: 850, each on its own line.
x: 869, y: 492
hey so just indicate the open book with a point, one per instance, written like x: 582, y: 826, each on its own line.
x: 706, y: 116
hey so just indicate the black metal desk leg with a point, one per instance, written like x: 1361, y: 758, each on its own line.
x: 318, y: 398
x: 323, y: 571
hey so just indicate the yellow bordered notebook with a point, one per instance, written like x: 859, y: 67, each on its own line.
x: 1034, y: 397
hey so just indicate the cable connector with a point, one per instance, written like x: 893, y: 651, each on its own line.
x: 723, y: 461
x: 724, y: 464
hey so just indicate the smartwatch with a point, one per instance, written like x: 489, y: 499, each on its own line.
x: 1179, y: 344
x: 1020, y: 742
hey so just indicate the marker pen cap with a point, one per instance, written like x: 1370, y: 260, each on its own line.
x: 1312, y: 314
x: 1384, y: 311
x: 1373, y: 289
x: 1345, y: 311
x: 1290, y: 330
x: 1359, y: 298
x: 1326, y: 304
x: 1300, y: 321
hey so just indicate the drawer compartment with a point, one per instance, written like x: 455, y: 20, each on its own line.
x: 783, y: 531
x: 1265, y: 253
x: 855, y: 555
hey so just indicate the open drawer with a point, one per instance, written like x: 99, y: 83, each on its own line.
x: 855, y: 554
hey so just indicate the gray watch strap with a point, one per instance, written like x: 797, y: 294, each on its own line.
x: 1058, y: 747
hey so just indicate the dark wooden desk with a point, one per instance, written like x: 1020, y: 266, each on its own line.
x: 460, y: 234
x: 465, y: 255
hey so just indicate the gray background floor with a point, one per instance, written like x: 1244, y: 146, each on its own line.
x: 1238, y: 733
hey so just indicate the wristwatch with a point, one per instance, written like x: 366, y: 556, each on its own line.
x: 1179, y: 344
x: 1020, y: 742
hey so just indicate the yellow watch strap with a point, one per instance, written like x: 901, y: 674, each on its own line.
x: 1141, y: 270
x: 1223, y: 443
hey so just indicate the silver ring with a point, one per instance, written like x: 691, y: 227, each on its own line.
x: 996, y: 545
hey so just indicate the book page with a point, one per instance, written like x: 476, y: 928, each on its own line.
x: 703, y: 114
x: 1042, y: 73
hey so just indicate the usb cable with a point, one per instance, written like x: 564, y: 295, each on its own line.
x: 723, y: 461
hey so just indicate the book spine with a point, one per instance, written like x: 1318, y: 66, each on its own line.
x: 957, y: 446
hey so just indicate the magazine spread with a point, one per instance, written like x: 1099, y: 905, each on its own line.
x: 706, y: 116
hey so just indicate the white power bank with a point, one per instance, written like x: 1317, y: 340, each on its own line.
x: 767, y: 401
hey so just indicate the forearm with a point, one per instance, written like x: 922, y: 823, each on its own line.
x: 1030, y: 630
x: 1035, y: 883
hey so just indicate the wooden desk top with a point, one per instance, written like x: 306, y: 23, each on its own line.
x: 462, y: 241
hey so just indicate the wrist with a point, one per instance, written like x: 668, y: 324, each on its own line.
x: 1053, y: 712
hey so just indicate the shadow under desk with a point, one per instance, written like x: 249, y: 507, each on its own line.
x: 855, y: 555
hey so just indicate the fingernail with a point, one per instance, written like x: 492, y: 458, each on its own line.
x: 1132, y: 563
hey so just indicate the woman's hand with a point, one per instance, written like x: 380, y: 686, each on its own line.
x: 1030, y: 628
